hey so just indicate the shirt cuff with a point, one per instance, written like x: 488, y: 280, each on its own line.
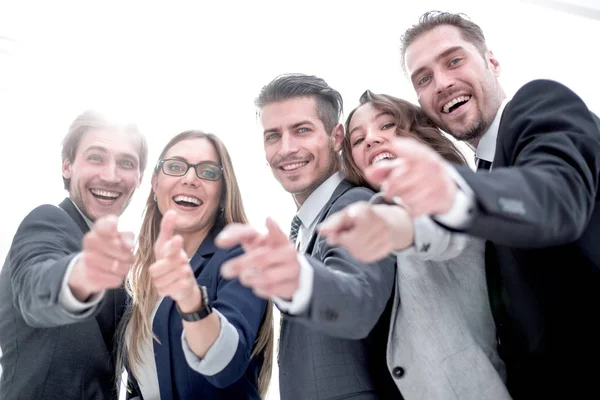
x: 461, y: 213
x: 302, y: 296
x: 219, y: 355
x: 70, y: 303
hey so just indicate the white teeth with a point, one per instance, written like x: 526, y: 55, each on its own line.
x: 105, y: 193
x: 187, y: 199
x: 293, y: 166
x: 454, y: 101
x: 382, y: 156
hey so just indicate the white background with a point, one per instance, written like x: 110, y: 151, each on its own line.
x: 199, y: 65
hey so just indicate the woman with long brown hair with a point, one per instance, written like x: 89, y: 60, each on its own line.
x: 190, y: 333
x: 441, y: 342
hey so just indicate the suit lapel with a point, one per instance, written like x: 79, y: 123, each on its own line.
x: 166, y: 315
x: 160, y: 327
x: 342, y: 188
x: 114, y: 299
x: 68, y: 206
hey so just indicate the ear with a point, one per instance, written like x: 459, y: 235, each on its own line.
x: 154, y: 182
x: 494, y: 63
x: 337, y: 137
x: 67, y: 171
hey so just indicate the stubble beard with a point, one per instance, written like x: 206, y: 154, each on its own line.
x: 468, y: 131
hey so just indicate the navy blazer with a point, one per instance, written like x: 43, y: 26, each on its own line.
x: 245, y: 311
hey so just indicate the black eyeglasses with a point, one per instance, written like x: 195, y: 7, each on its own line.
x: 206, y: 170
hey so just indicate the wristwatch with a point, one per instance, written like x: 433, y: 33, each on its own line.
x: 204, y: 312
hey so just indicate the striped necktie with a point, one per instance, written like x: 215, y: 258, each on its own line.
x: 294, y: 229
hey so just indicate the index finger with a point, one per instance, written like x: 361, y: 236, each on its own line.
x: 336, y: 223
x: 106, y: 227
x: 236, y: 233
x: 167, y: 228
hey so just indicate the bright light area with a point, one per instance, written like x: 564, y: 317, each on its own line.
x: 200, y: 65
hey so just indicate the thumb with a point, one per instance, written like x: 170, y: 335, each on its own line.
x: 167, y: 229
x: 275, y: 237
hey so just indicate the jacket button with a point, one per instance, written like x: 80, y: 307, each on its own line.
x: 329, y: 314
x: 398, y: 372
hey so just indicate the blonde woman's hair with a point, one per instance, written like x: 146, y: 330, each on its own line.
x: 138, y: 285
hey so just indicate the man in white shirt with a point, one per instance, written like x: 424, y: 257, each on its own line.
x: 537, y: 203
x: 61, y: 295
x: 335, y: 308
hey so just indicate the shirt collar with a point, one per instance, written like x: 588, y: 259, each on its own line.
x: 487, y: 144
x: 318, y: 198
x: 88, y: 221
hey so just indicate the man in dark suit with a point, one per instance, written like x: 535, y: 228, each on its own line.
x: 60, y: 286
x: 332, y: 342
x: 537, y: 205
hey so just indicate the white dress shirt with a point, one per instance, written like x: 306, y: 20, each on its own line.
x: 309, y: 214
x: 459, y: 216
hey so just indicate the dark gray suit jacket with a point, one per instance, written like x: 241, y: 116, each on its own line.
x: 47, y: 352
x: 336, y: 349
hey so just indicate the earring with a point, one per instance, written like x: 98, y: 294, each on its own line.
x: 154, y: 197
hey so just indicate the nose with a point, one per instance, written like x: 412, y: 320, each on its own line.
x: 110, y: 173
x: 190, y: 178
x: 443, y: 81
x: 288, y: 145
x: 372, y: 138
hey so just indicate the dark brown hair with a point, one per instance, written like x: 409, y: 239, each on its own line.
x: 289, y: 86
x: 408, y: 118
x: 470, y: 31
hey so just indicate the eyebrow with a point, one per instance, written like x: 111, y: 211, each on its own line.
x: 293, y: 126
x: 101, y: 149
x: 437, y: 58
x: 186, y: 161
x: 374, y: 118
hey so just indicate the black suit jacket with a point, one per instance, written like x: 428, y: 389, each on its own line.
x: 538, y: 208
x: 336, y: 349
x: 48, y: 352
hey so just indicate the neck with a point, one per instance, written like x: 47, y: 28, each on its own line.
x: 473, y: 143
x: 193, y: 240
x: 300, y: 198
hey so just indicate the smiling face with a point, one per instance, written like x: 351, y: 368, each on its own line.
x: 301, y: 154
x: 195, y: 200
x: 456, y: 86
x: 370, y: 133
x: 104, y: 173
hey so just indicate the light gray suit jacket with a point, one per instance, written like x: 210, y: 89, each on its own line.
x: 332, y: 351
x: 442, y: 343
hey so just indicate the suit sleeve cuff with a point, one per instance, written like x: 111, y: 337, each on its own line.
x: 461, y: 213
x: 300, y: 299
x: 219, y: 355
x: 69, y: 301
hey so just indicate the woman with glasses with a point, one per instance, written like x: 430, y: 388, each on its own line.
x: 190, y: 333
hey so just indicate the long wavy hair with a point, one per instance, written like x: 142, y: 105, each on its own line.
x: 408, y: 118
x: 139, y: 286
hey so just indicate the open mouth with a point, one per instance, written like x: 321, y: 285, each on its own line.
x: 187, y: 201
x: 455, y: 104
x: 105, y: 195
x: 293, y: 166
x: 382, y: 156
